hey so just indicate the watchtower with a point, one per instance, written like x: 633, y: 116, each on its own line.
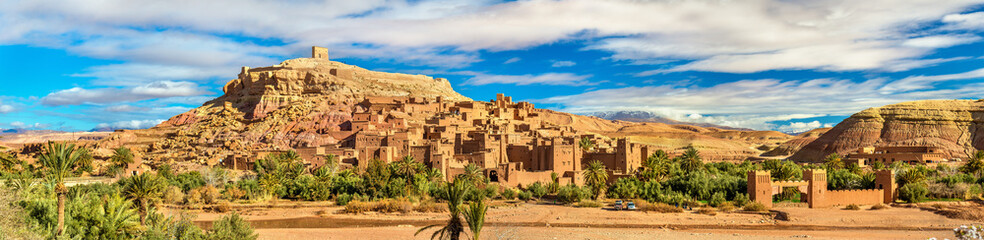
x: 319, y: 52
x: 817, y: 187
x: 885, y: 180
x: 760, y: 187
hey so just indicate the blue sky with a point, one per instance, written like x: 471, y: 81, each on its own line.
x: 764, y: 64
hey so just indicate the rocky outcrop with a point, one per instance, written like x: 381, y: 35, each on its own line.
x: 956, y: 126
x: 793, y: 145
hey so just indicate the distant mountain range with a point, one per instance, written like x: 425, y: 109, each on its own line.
x: 644, y: 116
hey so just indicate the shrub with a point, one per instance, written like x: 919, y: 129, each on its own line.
x: 232, y: 193
x: 430, y: 206
x: 624, y: 188
x: 741, y: 200
x: 508, y: 194
x: 358, y: 207
x: 343, y: 199
x: 588, y: 204
x: 231, y: 227
x: 852, y: 207
x: 222, y: 207
x: 394, y: 205
x: 755, y: 207
x: 879, y: 207
x: 173, y: 195
x: 912, y: 193
x: 210, y: 195
x: 525, y: 195
x: 707, y: 211
x: 726, y: 207
x: 537, y: 189
x: 717, y: 199
x: 657, y: 207
x: 193, y: 197
x: 571, y: 194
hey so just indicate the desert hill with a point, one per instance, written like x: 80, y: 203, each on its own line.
x: 304, y: 102
x: 956, y: 126
x: 793, y: 145
x: 644, y: 116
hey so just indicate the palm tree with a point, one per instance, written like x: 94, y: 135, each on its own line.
x: 473, y: 173
x: 911, y: 175
x: 291, y: 156
x: 331, y: 161
x: 691, y: 160
x: 144, y: 189
x: 656, y: 166
x: 833, y: 161
x: 58, y: 160
x: 455, y: 194
x: 406, y: 167
x: 119, y: 219
x: 974, y: 165
x: 586, y: 144
x: 121, y: 157
x: 475, y: 216
x: 596, y: 176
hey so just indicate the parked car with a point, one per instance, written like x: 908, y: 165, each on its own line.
x: 618, y: 205
x: 630, y: 206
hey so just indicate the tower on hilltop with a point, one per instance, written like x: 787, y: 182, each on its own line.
x: 319, y: 52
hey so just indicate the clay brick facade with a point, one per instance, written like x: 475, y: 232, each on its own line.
x: 888, y: 155
x: 508, y: 140
x: 813, y: 189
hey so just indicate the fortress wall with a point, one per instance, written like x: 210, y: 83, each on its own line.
x: 860, y: 197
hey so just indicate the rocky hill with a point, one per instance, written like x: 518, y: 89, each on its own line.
x: 957, y: 126
x: 301, y: 101
x: 796, y: 143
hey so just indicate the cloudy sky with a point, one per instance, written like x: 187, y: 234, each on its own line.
x: 764, y: 64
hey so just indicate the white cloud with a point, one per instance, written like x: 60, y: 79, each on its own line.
x: 512, y: 60
x: 756, y: 103
x: 798, y: 127
x: 563, y: 64
x: 125, y: 108
x: 132, y: 124
x: 941, y: 41
x: 6, y: 108
x: 22, y: 125
x: 568, y: 79
x: 160, y: 89
x: 969, y: 21
x: 725, y: 36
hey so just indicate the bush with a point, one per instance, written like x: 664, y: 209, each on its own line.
x: 430, y: 206
x: 508, y: 194
x: 383, y: 206
x: 343, y: 199
x: 624, y: 188
x: 210, y: 195
x: 572, y: 194
x: 879, y: 207
x: 358, y: 207
x: 755, y: 207
x: 912, y: 193
x: 657, y: 207
x: 525, y: 195
x: 717, y: 199
x: 707, y: 211
x: 741, y: 200
x: 852, y: 207
x: 231, y: 227
x: 173, y: 195
x: 588, y: 204
x: 537, y: 189
x: 726, y: 207
x: 222, y: 207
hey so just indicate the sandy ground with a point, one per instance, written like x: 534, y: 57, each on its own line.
x: 544, y: 221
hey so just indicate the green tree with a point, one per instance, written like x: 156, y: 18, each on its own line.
x: 406, y: 168
x: 586, y: 144
x: 376, y: 177
x: 475, y: 216
x: 473, y: 173
x: 231, y: 227
x: 454, y: 193
x: 690, y: 160
x: 58, y: 160
x: 119, y: 220
x: 656, y: 167
x: 974, y: 165
x: 144, y: 189
x: 833, y: 161
x: 596, y: 176
x: 122, y: 157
